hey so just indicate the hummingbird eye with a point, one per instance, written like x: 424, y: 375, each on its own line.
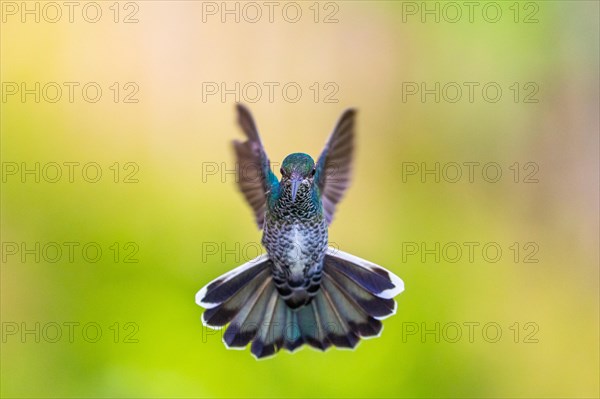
x: 312, y: 172
x: 282, y: 172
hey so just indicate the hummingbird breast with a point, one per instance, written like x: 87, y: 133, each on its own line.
x: 295, y: 237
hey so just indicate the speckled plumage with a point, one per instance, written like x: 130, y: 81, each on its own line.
x: 295, y: 237
x: 302, y: 291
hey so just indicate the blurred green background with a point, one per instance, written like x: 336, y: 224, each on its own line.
x: 176, y: 214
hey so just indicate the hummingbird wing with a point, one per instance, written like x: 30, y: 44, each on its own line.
x: 334, y: 167
x: 254, y: 175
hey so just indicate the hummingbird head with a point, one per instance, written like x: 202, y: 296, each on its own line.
x: 297, y: 169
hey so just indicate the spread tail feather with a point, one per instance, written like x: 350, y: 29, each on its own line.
x: 353, y: 297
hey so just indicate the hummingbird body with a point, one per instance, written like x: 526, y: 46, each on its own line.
x: 295, y: 237
x: 301, y: 291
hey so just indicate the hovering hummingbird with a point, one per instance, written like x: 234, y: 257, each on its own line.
x: 301, y: 291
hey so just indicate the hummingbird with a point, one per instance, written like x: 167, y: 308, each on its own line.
x: 300, y: 291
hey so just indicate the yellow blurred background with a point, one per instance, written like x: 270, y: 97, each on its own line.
x: 123, y: 323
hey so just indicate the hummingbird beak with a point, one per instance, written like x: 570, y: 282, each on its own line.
x: 296, y: 182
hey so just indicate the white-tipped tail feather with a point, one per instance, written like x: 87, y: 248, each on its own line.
x: 353, y: 297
